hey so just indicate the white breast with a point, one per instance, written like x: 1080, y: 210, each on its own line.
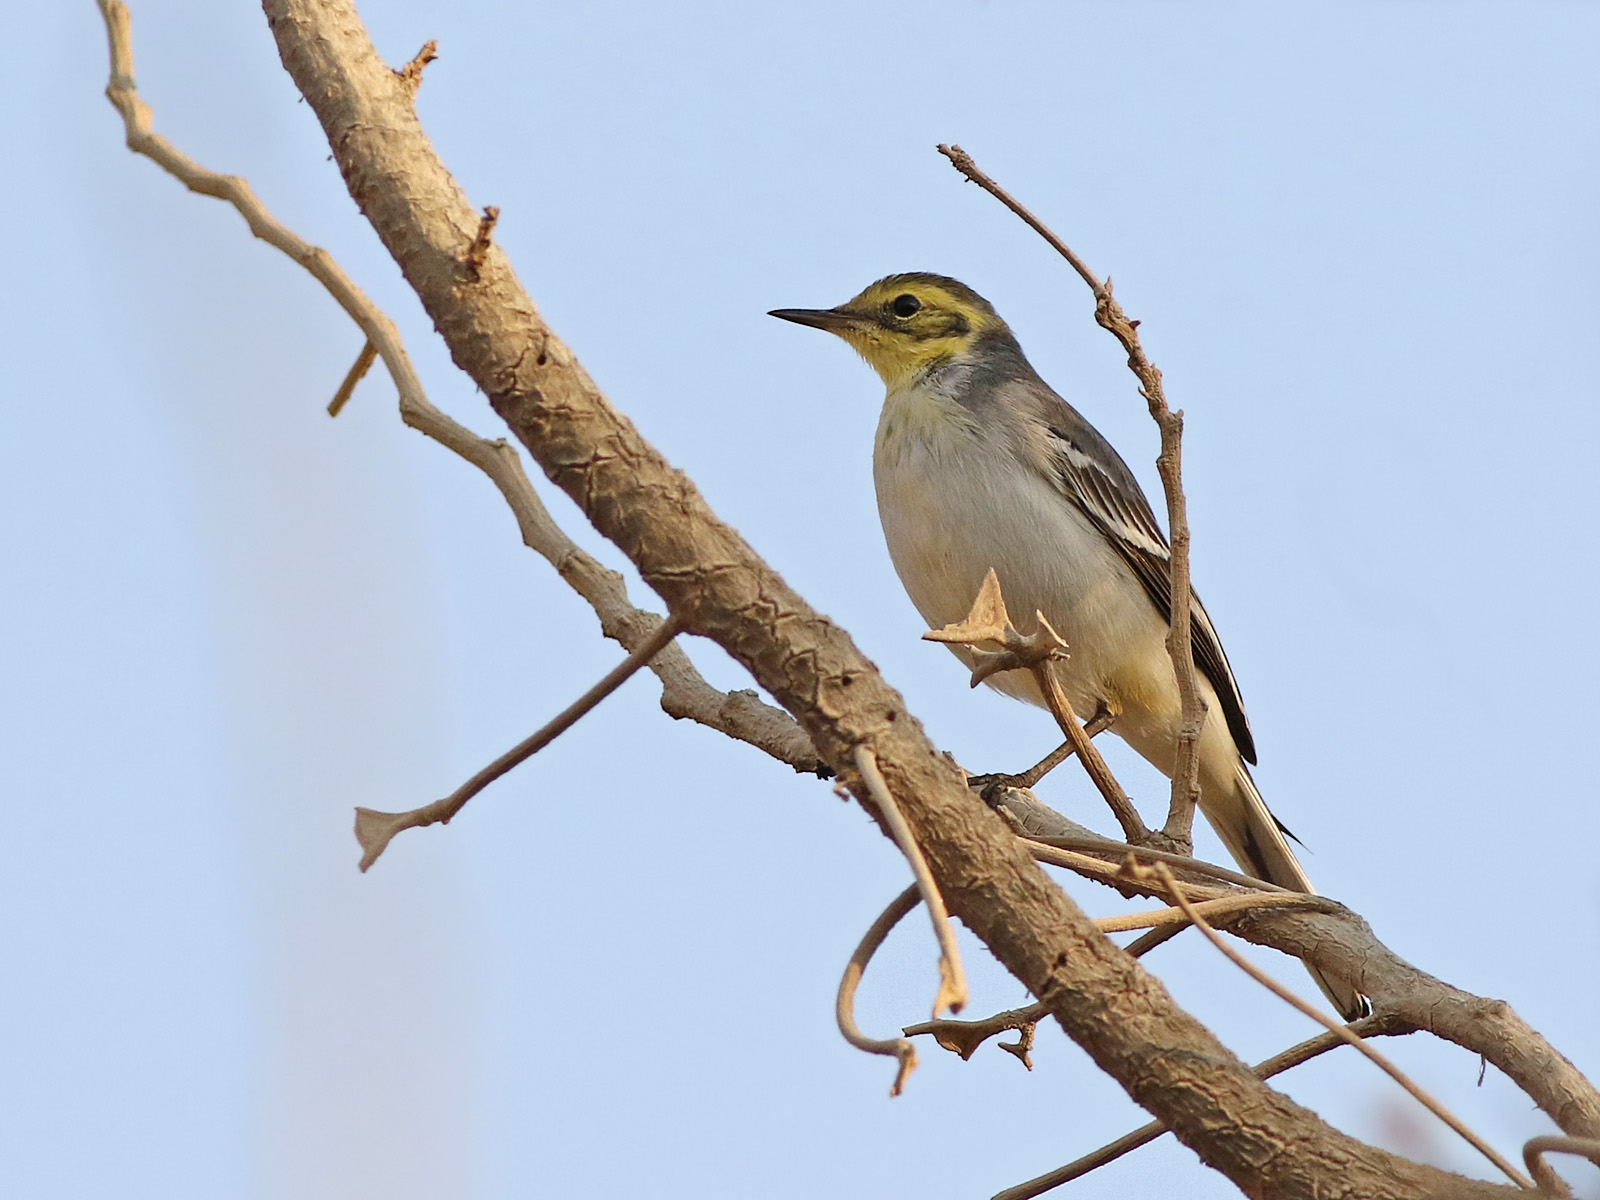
x: 955, y: 503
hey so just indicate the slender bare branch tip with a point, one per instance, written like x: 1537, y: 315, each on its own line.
x: 357, y: 372
x: 952, y: 993
x: 411, y: 74
x: 374, y: 830
x: 478, y: 252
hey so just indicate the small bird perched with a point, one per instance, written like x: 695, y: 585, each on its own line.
x: 979, y: 465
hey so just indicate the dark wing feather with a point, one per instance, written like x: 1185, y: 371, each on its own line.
x: 1094, y: 477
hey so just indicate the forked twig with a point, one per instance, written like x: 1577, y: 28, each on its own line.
x: 845, y: 1002
x: 988, y: 621
x: 952, y: 992
x: 1163, y: 873
x: 1145, y: 1134
x: 1109, y: 315
x: 375, y: 830
x: 964, y: 1037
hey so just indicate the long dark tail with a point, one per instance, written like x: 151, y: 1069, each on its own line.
x: 1257, y: 843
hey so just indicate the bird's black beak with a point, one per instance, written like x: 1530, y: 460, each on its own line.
x: 834, y: 320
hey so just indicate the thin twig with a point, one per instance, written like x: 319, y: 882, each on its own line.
x: 1109, y: 315
x: 952, y: 992
x: 374, y: 830
x: 1115, y: 874
x: 1163, y: 873
x: 844, y: 1003
x: 1133, y: 826
x: 1118, y: 851
x: 964, y: 1037
x: 1535, y: 1149
x: 1210, y: 908
x: 1111, y: 1151
x: 1146, y: 942
x: 358, y: 370
x: 684, y: 691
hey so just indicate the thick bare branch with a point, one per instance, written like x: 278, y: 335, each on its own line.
x: 1125, y: 1020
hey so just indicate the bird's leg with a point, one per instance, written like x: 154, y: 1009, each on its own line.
x: 989, y: 786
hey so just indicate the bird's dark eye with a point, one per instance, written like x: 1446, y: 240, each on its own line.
x: 905, y: 306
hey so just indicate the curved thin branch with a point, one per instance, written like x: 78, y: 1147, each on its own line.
x: 704, y: 569
x: 1536, y: 1148
x: 844, y: 1006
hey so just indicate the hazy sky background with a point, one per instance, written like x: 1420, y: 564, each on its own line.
x: 1362, y: 240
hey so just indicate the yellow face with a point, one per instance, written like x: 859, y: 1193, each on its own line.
x: 905, y: 324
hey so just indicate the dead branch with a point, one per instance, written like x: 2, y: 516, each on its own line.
x: 375, y: 830
x: 1109, y: 315
x: 1127, y: 1022
x: 964, y: 1037
x: 684, y: 692
x: 1341, y: 944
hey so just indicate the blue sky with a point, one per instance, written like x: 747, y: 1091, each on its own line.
x: 1361, y: 238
